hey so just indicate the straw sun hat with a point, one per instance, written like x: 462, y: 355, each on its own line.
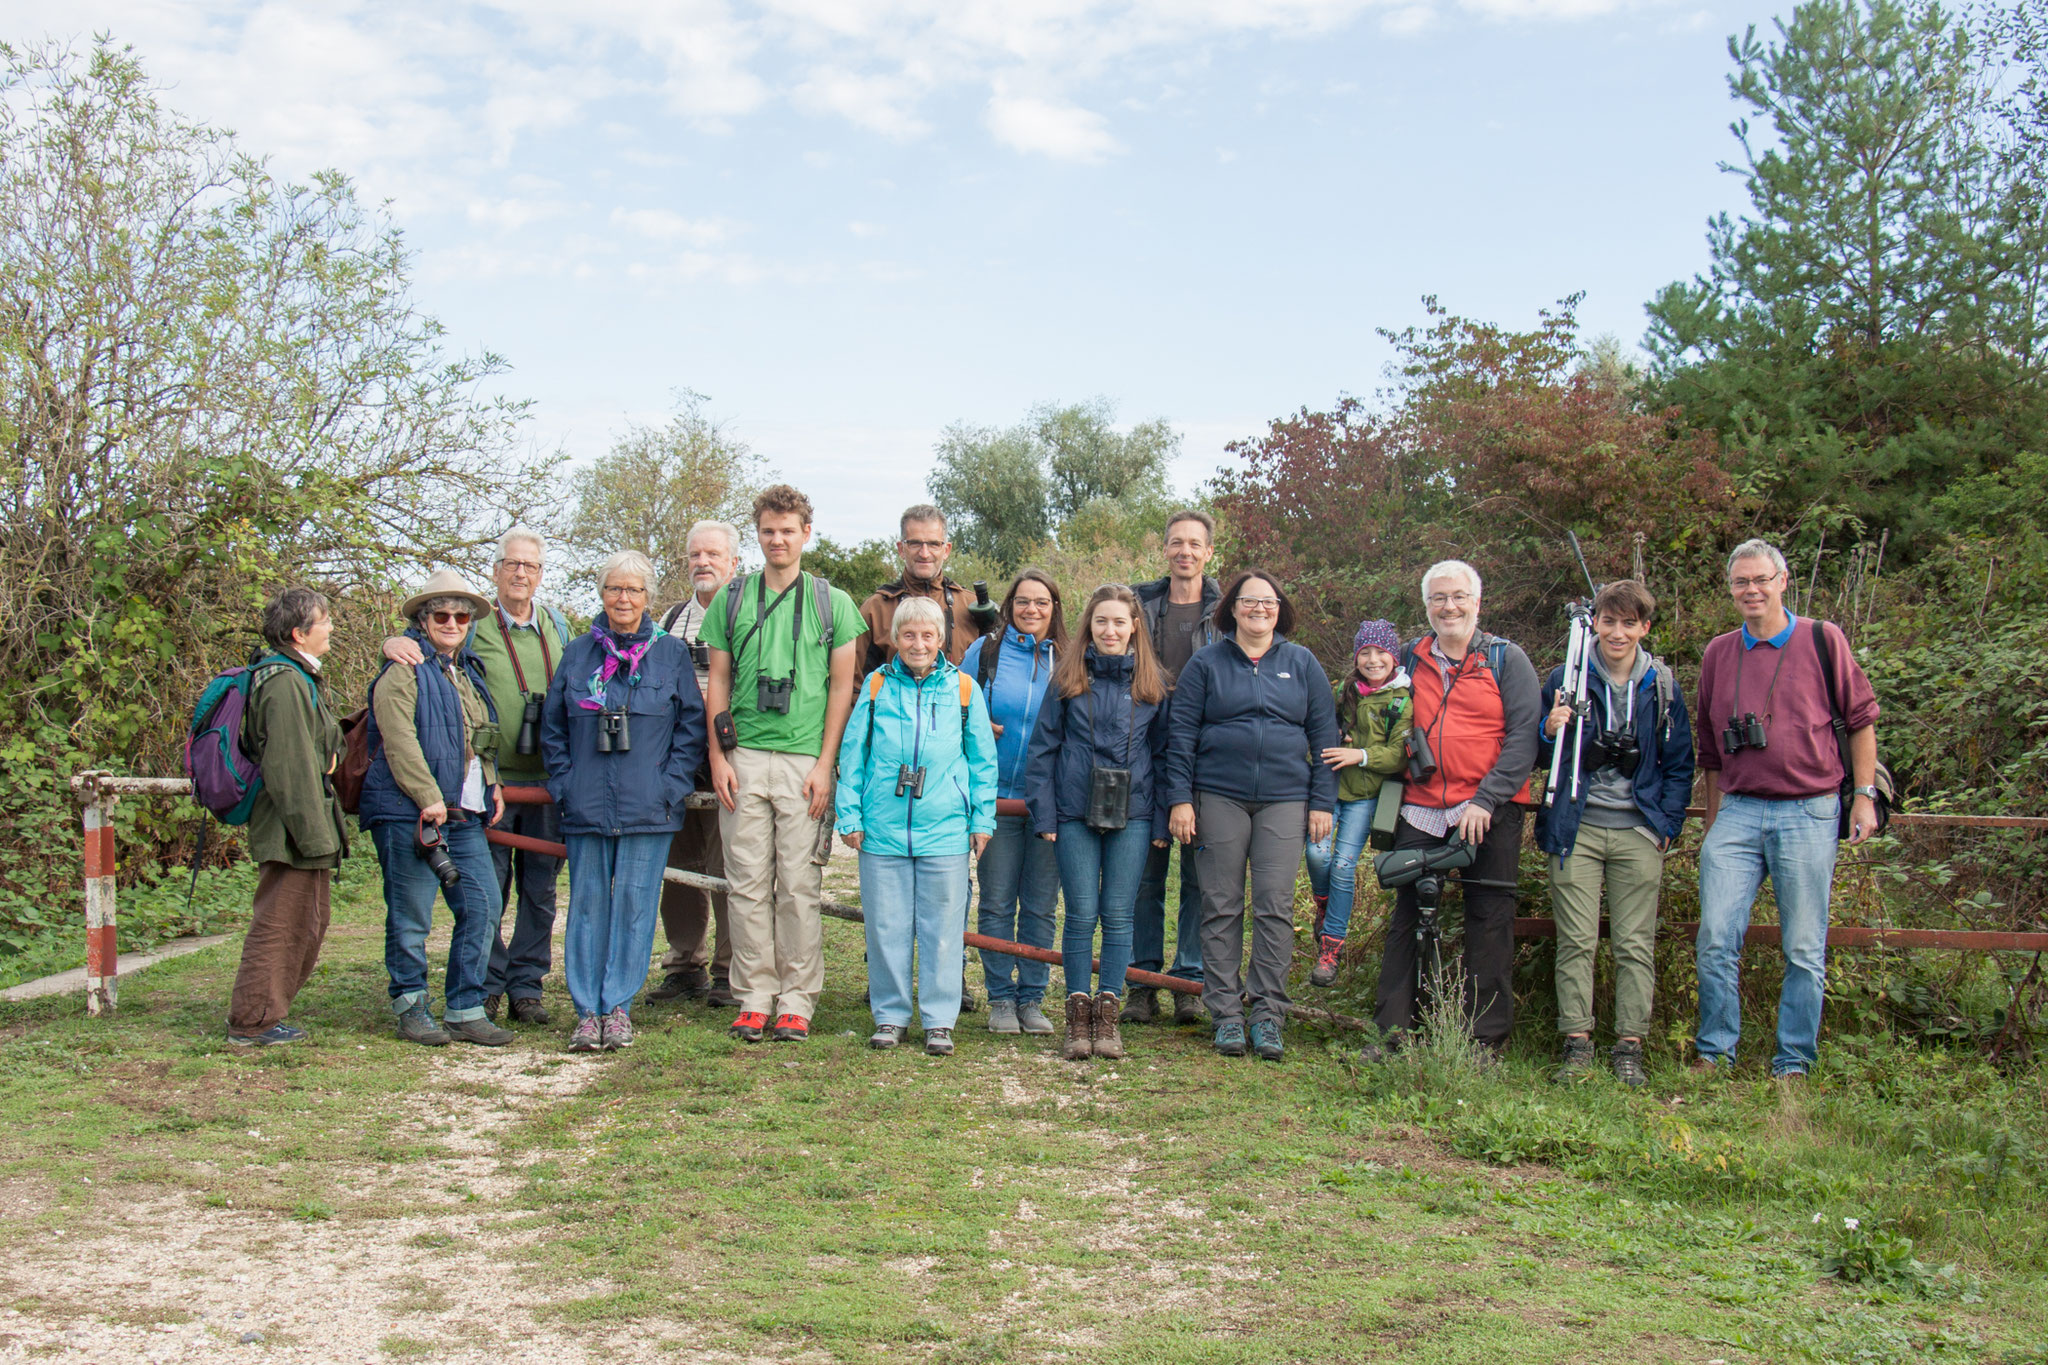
x: 445, y: 583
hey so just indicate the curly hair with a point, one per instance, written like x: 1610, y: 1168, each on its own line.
x: 781, y: 497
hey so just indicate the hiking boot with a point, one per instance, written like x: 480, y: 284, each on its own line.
x: 969, y: 1001
x: 1266, y: 1039
x: 1322, y: 909
x: 1080, y: 1044
x: 1108, y: 1042
x: 527, y: 1009
x: 749, y: 1026
x: 720, y: 996
x: 1578, y: 1060
x: 617, y: 1030
x: 494, y: 1005
x: 938, y: 1042
x: 792, y: 1028
x: 1626, y: 1057
x: 1031, y: 1018
x: 1708, y: 1066
x: 1187, y: 1009
x: 1002, y: 1016
x: 270, y: 1037
x: 1230, y: 1037
x: 691, y: 983
x: 588, y: 1036
x: 1141, y: 1006
x: 482, y: 1032
x: 1372, y: 1054
x: 886, y: 1036
x: 416, y: 1025
x: 1327, y: 952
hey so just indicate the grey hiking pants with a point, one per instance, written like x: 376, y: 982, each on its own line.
x: 1265, y: 839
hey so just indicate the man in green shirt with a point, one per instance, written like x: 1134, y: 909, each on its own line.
x: 778, y: 702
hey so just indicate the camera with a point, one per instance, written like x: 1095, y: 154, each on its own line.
x: 1617, y: 749
x: 771, y: 695
x: 614, y: 736
x: 1421, y: 762
x: 1746, y: 732
x: 430, y: 846
x: 529, y: 726
x: 909, y: 779
x: 700, y: 656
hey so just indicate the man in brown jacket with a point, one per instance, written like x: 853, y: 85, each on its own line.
x: 924, y: 550
x: 296, y: 833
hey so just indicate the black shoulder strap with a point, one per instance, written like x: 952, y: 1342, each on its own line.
x: 668, y: 621
x: 1408, y: 653
x: 991, y: 658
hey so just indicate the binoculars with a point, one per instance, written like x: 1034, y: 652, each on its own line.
x: 1744, y: 732
x: 429, y: 846
x: 771, y: 695
x: 1421, y: 762
x: 700, y: 656
x: 909, y: 779
x: 529, y: 726
x: 1617, y: 749
x: 614, y: 736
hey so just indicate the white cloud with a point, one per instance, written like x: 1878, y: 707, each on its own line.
x: 661, y: 225
x: 1064, y: 132
x: 880, y: 104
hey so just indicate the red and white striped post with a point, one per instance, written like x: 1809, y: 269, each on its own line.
x: 102, y: 965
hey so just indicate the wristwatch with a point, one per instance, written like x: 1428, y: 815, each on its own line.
x: 1870, y: 791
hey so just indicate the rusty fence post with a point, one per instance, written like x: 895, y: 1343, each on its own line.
x: 102, y: 965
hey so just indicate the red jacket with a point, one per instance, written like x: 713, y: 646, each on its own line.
x: 1484, y: 734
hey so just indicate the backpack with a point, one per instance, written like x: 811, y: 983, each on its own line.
x: 821, y: 604
x: 985, y: 665
x: 355, y: 759
x: 966, y: 707
x: 1881, y: 776
x: 1496, y: 652
x: 225, y: 780
x: 561, y: 629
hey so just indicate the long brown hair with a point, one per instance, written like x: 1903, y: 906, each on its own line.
x: 1056, y: 633
x: 1070, y: 673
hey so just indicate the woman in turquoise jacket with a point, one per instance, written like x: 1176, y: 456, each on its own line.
x: 917, y: 796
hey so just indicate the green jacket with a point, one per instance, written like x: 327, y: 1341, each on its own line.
x: 296, y: 819
x: 503, y: 680
x: 1381, y: 729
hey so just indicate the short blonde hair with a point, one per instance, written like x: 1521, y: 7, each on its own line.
x: 910, y: 611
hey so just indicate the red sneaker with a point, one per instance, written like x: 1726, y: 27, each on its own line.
x: 747, y: 1028
x: 791, y: 1028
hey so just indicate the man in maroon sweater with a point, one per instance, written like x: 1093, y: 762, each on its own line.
x: 1774, y: 791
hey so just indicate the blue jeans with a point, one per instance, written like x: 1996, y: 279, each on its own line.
x: 1020, y: 897
x: 1793, y: 843
x: 1100, y: 874
x: 614, y: 904
x: 1333, y: 864
x: 410, y: 887
x: 915, y: 905
x: 1148, y: 933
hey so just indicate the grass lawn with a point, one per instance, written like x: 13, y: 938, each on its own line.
x: 351, y: 1198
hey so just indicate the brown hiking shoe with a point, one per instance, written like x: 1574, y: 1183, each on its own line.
x: 1187, y: 1009
x: 1141, y: 1005
x: 1080, y: 1044
x: 1108, y: 1042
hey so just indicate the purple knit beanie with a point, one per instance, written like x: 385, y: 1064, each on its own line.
x: 1378, y: 635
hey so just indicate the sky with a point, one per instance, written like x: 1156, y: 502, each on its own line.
x: 852, y: 223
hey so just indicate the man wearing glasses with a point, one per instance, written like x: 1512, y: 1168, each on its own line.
x: 1770, y: 694
x: 519, y: 643
x: 923, y: 550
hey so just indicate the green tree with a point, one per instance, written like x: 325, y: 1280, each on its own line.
x: 1861, y: 335
x: 652, y: 486
x: 856, y: 569
x: 992, y: 487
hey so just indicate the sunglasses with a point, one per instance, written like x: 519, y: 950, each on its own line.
x: 450, y: 618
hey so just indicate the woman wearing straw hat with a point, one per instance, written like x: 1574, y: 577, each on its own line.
x: 431, y: 787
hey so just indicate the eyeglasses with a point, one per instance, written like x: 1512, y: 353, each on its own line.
x: 933, y: 545
x: 1743, y: 584
x: 1449, y: 599
x: 450, y: 618
x: 1031, y: 603
x: 519, y: 565
x: 615, y: 590
x: 1259, y: 603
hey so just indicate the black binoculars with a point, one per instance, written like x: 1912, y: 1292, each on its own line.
x: 1746, y: 732
x: 1617, y: 749
x: 1421, y: 762
x: 429, y: 845
x: 529, y: 726
x: 771, y: 695
x: 909, y: 779
x: 700, y: 656
x: 613, y: 734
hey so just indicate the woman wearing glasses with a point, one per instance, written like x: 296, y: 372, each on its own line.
x: 1252, y: 715
x: 621, y: 736
x: 431, y: 785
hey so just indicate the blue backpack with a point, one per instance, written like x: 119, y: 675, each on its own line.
x: 225, y: 779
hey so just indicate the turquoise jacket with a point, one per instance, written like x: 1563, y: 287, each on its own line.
x: 917, y: 723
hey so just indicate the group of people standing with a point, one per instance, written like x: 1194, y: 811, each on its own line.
x: 729, y: 737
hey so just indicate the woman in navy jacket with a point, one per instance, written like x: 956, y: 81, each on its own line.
x: 622, y: 735
x: 1252, y: 715
x: 1104, y: 715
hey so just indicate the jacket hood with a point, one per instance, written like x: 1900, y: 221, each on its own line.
x: 1112, y: 667
x: 603, y: 627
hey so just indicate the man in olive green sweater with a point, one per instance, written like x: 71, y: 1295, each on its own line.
x: 296, y: 832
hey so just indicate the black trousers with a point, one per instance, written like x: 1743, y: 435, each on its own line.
x: 1489, y: 935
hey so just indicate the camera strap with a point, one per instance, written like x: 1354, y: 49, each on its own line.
x: 1735, y: 708
x: 505, y: 634
x: 763, y: 609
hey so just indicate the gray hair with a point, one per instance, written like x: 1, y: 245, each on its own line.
x: 724, y: 528
x: 1757, y: 549
x: 923, y: 511
x: 631, y: 563
x: 520, y: 535
x: 1449, y: 568
x: 434, y: 604
x: 911, y: 610
x: 293, y: 609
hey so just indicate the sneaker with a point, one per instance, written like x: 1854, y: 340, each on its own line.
x: 1187, y: 1009
x: 1230, y: 1037
x: 527, y: 1009
x: 416, y: 1025
x: 589, y: 1035
x: 721, y: 996
x: 792, y: 1028
x: 886, y: 1036
x: 1141, y: 1006
x: 938, y: 1042
x: 1578, y: 1060
x: 482, y: 1032
x: 617, y: 1030
x: 1627, y: 1059
x: 494, y: 1005
x: 1002, y: 1017
x: 1266, y: 1039
x: 270, y: 1037
x: 1328, y: 951
x: 749, y: 1026
x: 1031, y: 1018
